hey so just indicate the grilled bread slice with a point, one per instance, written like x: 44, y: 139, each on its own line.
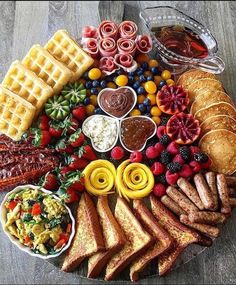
x: 114, y: 238
x: 138, y: 240
x: 88, y: 238
x: 163, y: 240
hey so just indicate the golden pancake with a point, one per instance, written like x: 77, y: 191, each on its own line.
x: 218, y: 122
x: 220, y: 146
x: 210, y: 83
x: 191, y: 75
x: 221, y: 108
x: 207, y: 98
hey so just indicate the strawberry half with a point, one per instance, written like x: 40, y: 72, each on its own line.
x: 50, y: 182
x: 88, y: 152
x: 76, y: 139
x: 41, y: 137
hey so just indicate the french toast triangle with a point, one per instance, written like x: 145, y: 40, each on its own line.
x: 138, y: 240
x: 163, y: 240
x: 182, y: 235
x: 88, y: 238
x: 114, y: 238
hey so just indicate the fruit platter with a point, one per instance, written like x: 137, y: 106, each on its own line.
x: 117, y: 150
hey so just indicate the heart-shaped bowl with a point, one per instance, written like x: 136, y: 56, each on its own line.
x: 96, y: 127
x: 117, y: 103
x: 138, y: 130
x: 15, y: 241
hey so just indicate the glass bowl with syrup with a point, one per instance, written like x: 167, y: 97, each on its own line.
x: 181, y: 41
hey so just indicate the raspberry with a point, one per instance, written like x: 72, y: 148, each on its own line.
x: 186, y: 171
x: 159, y: 190
x: 174, y: 167
x: 171, y: 178
x: 151, y: 152
x: 161, y: 130
x: 207, y: 164
x: 200, y: 157
x: 157, y: 168
x: 165, y: 140
x: 173, y: 148
x: 178, y: 158
x: 117, y: 153
x: 165, y: 157
x: 194, y: 149
x: 185, y: 152
x: 136, y: 156
x: 159, y: 147
x: 196, y: 167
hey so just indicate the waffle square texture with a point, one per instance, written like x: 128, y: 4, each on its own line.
x: 27, y: 85
x: 16, y: 114
x: 66, y: 50
x: 45, y: 66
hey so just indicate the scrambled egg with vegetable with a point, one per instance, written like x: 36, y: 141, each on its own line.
x: 38, y: 220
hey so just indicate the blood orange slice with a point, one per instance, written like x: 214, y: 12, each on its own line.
x: 172, y: 99
x: 183, y: 128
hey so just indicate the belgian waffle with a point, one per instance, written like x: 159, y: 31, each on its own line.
x: 45, y: 66
x: 16, y: 114
x: 27, y: 85
x: 66, y: 50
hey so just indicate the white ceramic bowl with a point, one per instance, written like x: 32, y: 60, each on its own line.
x: 15, y: 241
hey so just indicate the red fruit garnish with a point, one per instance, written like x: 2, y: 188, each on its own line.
x: 136, y: 156
x: 206, y: 165
x: 88, y: 152
x: 159, y: 190
x: 152, y: 152
x: 194, y: 149
x: 178, y: 158
x: 183, y: 128
x: 62, y: 147
x: 64, y: 171
x: 72, y: 196
x: 196, y: 167
x: 171, y: 178
x: 161, y: 130
x: 79, y: 113
x: 71, y: 125
x: 157, y: 168
x: 172, y: 99
x: 44, y: 122
x: 173, y: 148
x: 50, y: 182
x: 117, y: 153
x: 75, y: 162
x: 41, y: 137
x: 77, y: 138
x: 186, y: 171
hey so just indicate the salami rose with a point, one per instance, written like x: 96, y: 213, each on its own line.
x: 90, y: 45
x: 107, y: 47
x: 108, y: 29
x: 126, y: 46
x: 144, y: 43
x: 128, y: 30
x: 107, y: 65
x: 126, y: 62
x: 89, y: 32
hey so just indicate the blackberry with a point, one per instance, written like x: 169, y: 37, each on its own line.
x: 185, y: 153
x: 164, y: 120
x: 161, y: 179
x: 174, y: 167
x: 165, y: 157
x: 200, y: 157
x: 165, y: 140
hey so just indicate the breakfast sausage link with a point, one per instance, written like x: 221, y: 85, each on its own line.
x: 190, y: 192
x: 204, y: 191
x: 181, y: 200
x: 231, y: 180
x: 172, y: 206
x: 206, y: 229
x: 211, y: 181
x: 223, y: 193
x: 232, y: 202
x: 205, y: 217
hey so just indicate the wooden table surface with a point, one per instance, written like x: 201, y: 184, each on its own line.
x: 23, y: 24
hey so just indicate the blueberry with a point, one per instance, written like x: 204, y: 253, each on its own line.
x: 98, y: 111
x: 142, y: 78
x: 149, y: 107
x: 150, y: 78
x: 139, y: 71
x: 142, y: 108
x: 147, y: 115
x: 119, y: 71
x: 162, y: 83
x: 136, y: 85
x: 88, y: 84
x: 85, y: 76
x: 103, y: 84
x: 146, y: 102
x: 144, y: 65
x: 86, y: 101
x: 109, y: 79
x: 131, y: 79
x: 94, y: 91
x: 95, y: 83
x: 130, y: 73
x: 154, y: 70
x: 141, y: 90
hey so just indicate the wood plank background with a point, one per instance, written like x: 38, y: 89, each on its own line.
x: 24, y: 23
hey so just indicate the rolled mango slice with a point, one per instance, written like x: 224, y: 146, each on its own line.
x: 99, y: 176
x: 134, y: 180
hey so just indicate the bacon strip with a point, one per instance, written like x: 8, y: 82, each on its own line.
x: 144, y: 43
x: 108, y: 29
x: 128, y: 30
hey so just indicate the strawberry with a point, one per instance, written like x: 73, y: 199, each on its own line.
x: 63, y: 171
x: 79, y: 113
x: 186, y: 171
x: 62, y: 147
x: 173, y: 148
x: 43, y: 122
x: 88, y: 152
x: 41, y: 137
x: 159, y: 190
x: 71, y: 196
x: 196, y: 167
x: 76, y: 139
x: 178, y: 158
x: 70, y: 125
x: 161, y: 130
x: 160, y: 147
x: 75, y: 162
x: 117, y: 153
x: 157, y: 168
x: 75, y: 181
x: 152, y: 152
x: 50, y: 182
x: 136, y: 156
x: 56, y: 129
x: 171, y: 178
